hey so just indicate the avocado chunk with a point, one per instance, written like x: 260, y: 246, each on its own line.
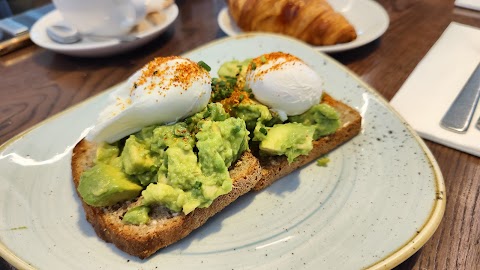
x: 213, y: 111
x: 252, y: 113
x: 323, y: 116
x: 223, y: 140
x: 104, y: 185
x: 257, y: 117
x: 323, y: 161
x: 109, y: 154
x: 136, y: 158
x: 173, y: 198
x: 234, y: 68
x: 137, y: 215
x: 290, y: 139
x: 183, y: 170
x: 176, y: 135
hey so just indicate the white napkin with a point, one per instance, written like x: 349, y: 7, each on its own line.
x: 436, y: 81
x: 471, y: 4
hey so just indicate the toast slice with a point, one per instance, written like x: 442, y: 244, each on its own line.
x: 251, y: 171
x: 276, y: 167
x: 165, y: 227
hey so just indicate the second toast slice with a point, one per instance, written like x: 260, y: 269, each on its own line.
x: 276, y: 167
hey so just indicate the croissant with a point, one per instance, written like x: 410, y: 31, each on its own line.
x: 313, y: 21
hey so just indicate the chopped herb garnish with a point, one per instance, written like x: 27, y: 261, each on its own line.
x: 263, y: 59
x: 254, y: 66
x: 239, y: 70
x: 204, y: 65
x: 236, y: 129
x: 207, y: 114
x: 197, y: 185
x: 19, y: 228
x: 248, y: 91
x: 263, y: 131
x: 222, y: 88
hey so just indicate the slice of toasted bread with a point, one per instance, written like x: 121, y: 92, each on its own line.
x: 165, y: 227
x: 276, y: 167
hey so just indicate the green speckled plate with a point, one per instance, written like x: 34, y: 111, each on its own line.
x: 380, y: 198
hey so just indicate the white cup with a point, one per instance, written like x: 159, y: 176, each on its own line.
x: 102, y: 17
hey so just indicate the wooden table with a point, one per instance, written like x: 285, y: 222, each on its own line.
x: 36, y: 84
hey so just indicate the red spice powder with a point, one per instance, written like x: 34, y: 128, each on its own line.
x: 268, y: 59
x: 180, y: 75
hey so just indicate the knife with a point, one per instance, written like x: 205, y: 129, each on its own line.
x: 460, y: 113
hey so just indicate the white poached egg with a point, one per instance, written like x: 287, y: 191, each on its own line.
x: 164, y: 91
x: 284, y: 83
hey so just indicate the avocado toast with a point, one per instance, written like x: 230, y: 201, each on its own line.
x: 276, y: 167
x: 161, y: 159
x: 165, y: 227
x: 283, y: 142
x: 160, y: 182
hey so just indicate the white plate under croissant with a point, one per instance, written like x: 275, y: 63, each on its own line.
x: 369, y: 19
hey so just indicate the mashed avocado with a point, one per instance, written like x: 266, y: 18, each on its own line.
x: 257, y: 117
x: 181, y: 166
x: 322, y: 116
x: 189, y: 183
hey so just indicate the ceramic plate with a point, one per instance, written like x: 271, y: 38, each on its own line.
x: 150, y: 29
x: 367, y: 16
x: 378, y: 201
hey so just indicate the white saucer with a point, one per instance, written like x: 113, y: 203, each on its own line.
x: 367, y: 16
x: 94, y: 48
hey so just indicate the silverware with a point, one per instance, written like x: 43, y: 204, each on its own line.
x: 460, y: 113
x: 64, y: 34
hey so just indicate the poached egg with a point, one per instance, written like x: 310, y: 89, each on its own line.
x: 284, y: 83
x: 164, y: 91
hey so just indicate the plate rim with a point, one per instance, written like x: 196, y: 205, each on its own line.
x: 327, y: 49
x: 404, y: 251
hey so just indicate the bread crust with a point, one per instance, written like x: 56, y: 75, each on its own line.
x: 276, y: 167
x: 144, y: 240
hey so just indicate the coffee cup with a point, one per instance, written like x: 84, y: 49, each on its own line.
x: 102, y: 17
